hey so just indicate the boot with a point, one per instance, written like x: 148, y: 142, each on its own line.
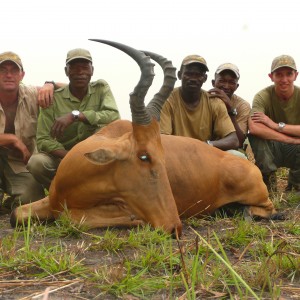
x: 270, y: 181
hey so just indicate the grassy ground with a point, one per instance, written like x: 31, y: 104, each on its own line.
x: 217, y: 257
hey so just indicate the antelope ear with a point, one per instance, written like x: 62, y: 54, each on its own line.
x: 101, y: 156
x: 119, y: 150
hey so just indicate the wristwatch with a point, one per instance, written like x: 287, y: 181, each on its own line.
x: 50, y: 82
x: 281, y: 125
x: 233, y: 112
x: 75, y: 114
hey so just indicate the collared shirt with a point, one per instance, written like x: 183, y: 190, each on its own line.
x: 277, y: 110
x: 208, y: 121
x: 25, y: 125
x: 243, y: 111
x: 98, y: 106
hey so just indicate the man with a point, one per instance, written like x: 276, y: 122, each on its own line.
x: 274, y: 124
x: 78, y: 111
x: 18, y: 118
x: 225, y: 84
x: 190, y: 112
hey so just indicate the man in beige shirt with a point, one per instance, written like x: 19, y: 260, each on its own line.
x: 224, y: 85
x: 18, y: 118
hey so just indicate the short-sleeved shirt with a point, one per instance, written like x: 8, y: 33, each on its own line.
x: 98, y: 106
x: 243, y: 111
x: 208, y: 121
x: 25, y: 125
x: 277, y: 110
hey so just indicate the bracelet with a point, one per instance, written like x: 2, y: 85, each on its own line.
x: 50, y: 82
x: 233, y: 112
x: 208, y: 142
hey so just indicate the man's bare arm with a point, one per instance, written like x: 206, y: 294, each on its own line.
x: 262, y: 131
x: 229, y: 142
x: 45, y: 93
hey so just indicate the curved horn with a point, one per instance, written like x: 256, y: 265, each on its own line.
x: 140, y: 114
x: 155, y: 105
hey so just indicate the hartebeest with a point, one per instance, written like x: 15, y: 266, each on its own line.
x: 128, y: 173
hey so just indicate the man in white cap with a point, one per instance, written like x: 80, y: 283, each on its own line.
x: 79, y: 110
x: 274, y: 124
x: 190, y: 112
x: 18, y: 118
x: 224, y: 85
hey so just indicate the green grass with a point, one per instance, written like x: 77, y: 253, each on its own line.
x: 217, y: 257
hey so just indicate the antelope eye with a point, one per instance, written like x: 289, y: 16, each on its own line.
x: 145, y: 157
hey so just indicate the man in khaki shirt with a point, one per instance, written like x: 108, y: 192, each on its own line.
x: 18, y: 117
x: 224, y: 85
x: 274, y: 125
x: 189, y: 110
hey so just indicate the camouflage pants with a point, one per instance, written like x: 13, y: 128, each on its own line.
x: 22, y: 187
x: 270, y: 155
x: 43, y: 167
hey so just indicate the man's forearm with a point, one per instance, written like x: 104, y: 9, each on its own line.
x: 264, y: 132
x: 59, y: 153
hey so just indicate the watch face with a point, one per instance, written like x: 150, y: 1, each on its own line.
x: 75, y: 114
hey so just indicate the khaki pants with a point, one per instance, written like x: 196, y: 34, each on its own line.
x: 21, y: 186
x: 43, y: 168
x: 270, y: 155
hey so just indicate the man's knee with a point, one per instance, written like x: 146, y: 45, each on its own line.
x: 43, y: 168
x: 41, y: 164
x: 36, y: 164
x: 237, y: 153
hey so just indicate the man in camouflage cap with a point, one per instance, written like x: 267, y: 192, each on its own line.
x: 19, y: 108
x: 190, y: 112
x: 274, y: 124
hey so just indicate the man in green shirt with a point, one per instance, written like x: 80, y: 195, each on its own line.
x: 78, y: 111
x: 274, y: 124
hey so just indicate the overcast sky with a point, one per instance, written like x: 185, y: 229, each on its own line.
x: 247, y: 33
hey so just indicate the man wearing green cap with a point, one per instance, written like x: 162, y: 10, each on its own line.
x: 79, y: 110
x: 274, y: 124
x: 189, y: 111
x: 19, y: 108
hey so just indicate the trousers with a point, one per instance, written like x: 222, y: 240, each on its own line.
x: 43, y: 167
x: 22, y: 187
x: 271, y: 155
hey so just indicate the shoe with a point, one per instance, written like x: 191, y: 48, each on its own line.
x: 270, y: 181
x: 9, y: 203
x: 1, y: 195
x: 289, y: 187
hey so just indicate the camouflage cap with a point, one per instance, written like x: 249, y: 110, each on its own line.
x: 11, y: 56
x: 191, y: 59
x: 283, y: 61
x: 77, y: 54
x: 228, y: 66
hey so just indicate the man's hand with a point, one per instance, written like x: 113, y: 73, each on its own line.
x: 45, y: 96
x: 60, y: 125
x: 19, y: 145
x: 215, y: 92
x: 259, y: 117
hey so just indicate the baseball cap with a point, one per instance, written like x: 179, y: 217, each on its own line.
x: 228, y: 66
x: 191, y: 59
x: 78, y: 53
x: 11, y: 56
x: 283, y: 61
